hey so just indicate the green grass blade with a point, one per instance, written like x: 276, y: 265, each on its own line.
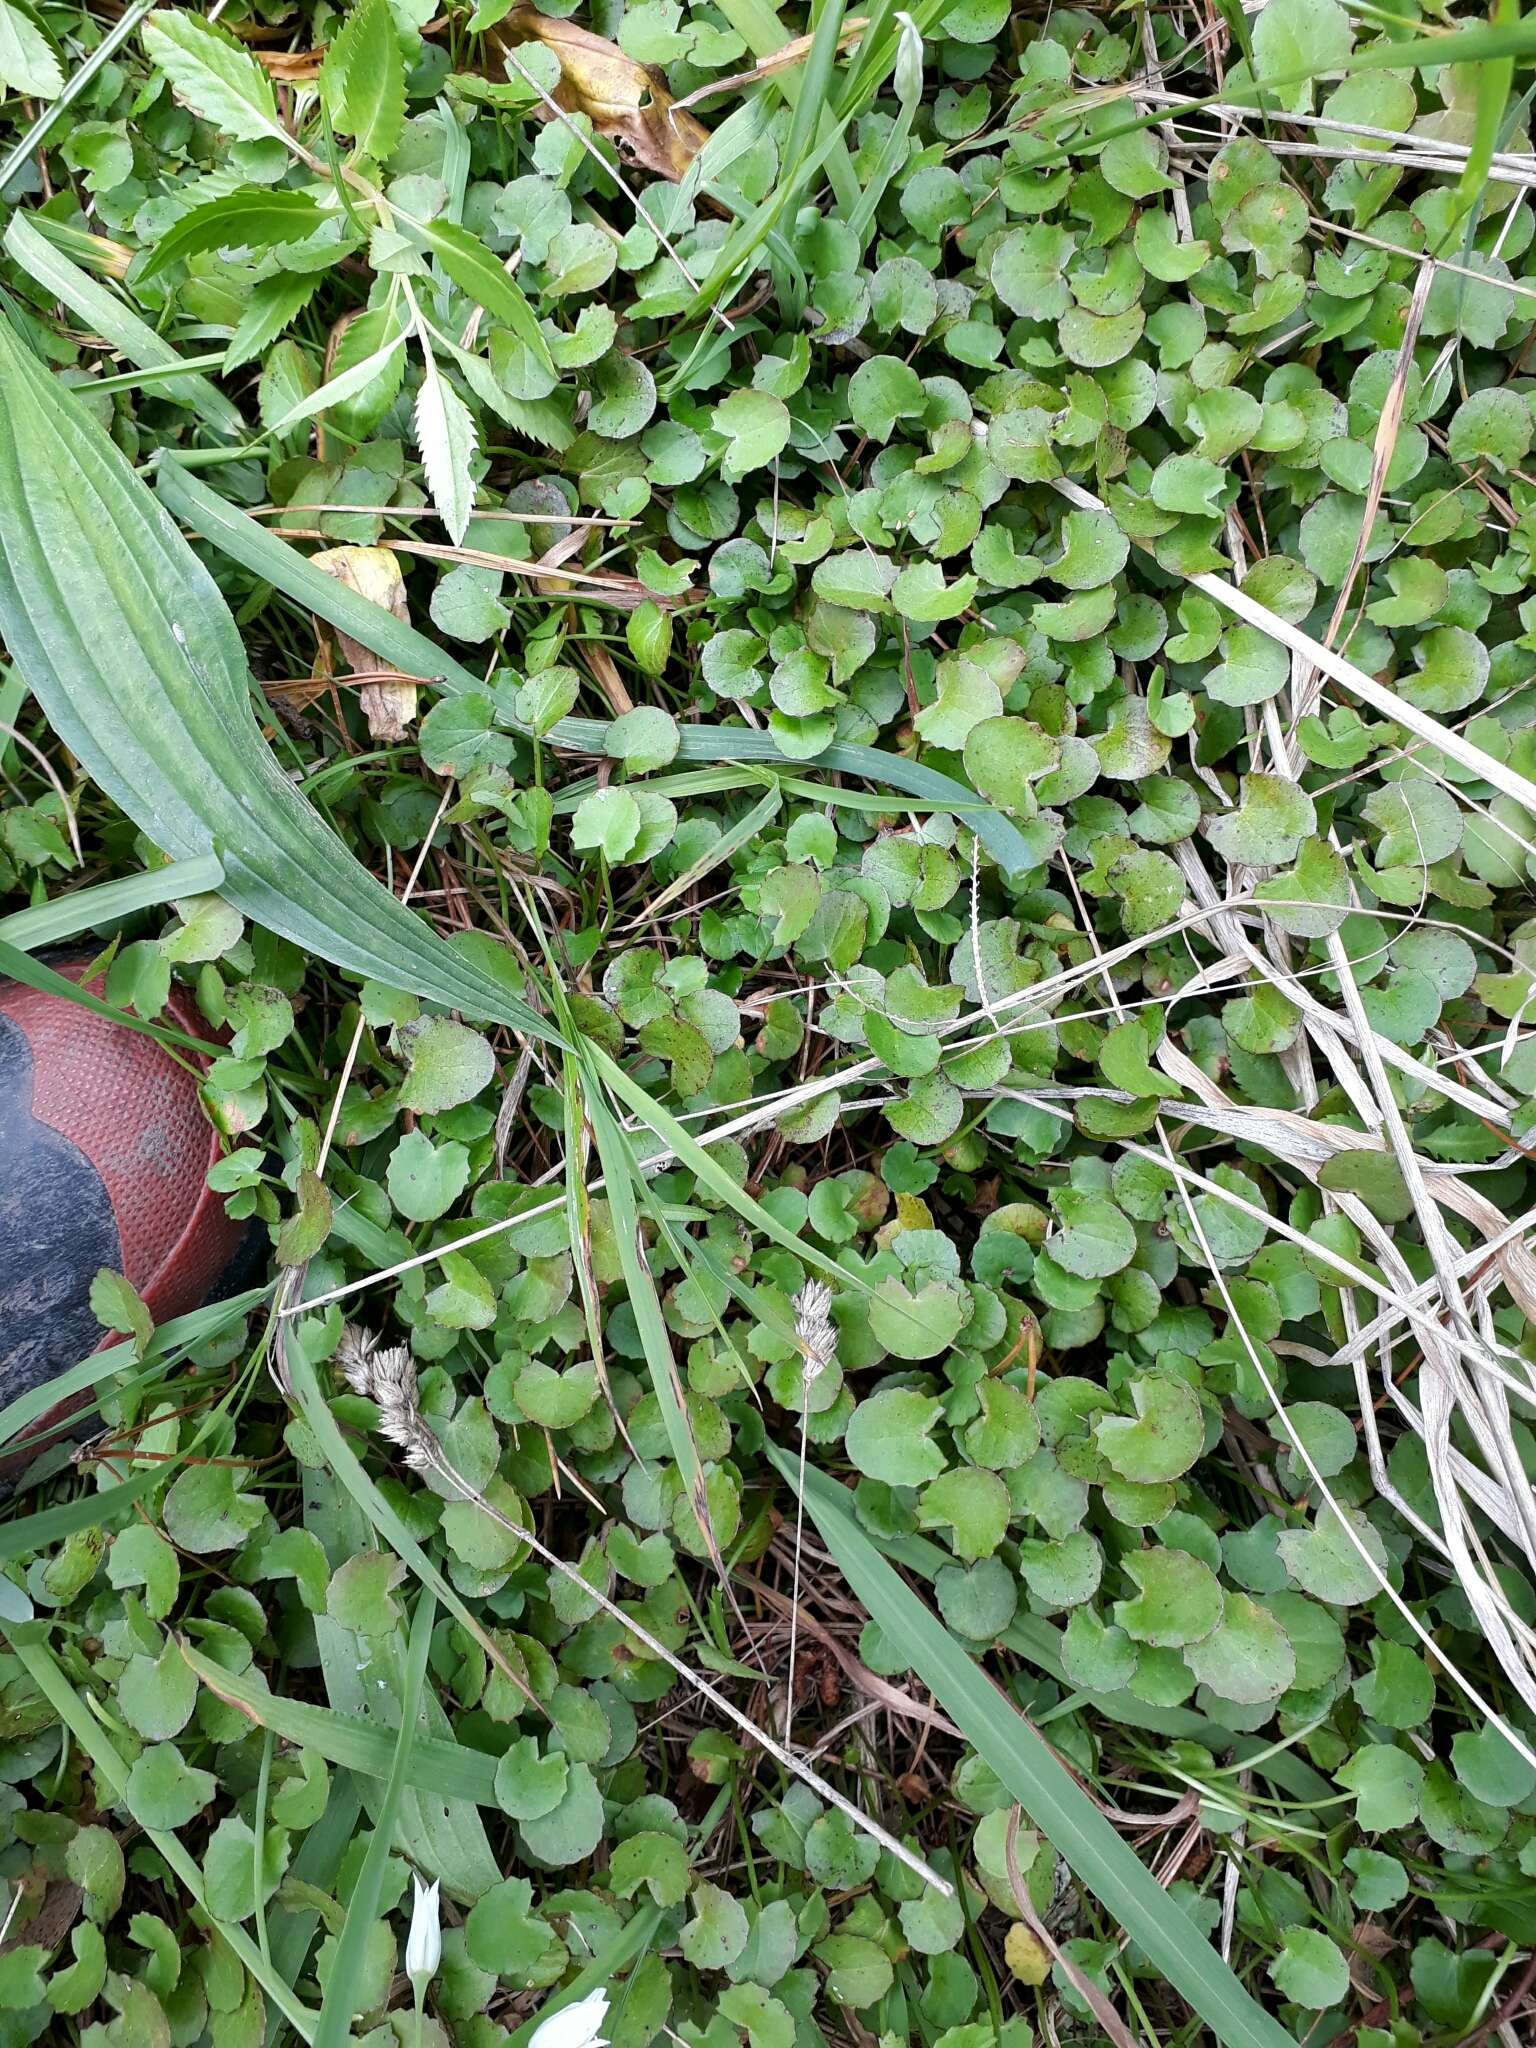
x: 16, y: 965
x: 814, y: 97
x: 106, y: 314
x: 399, y: 643
x: 1494, y: 80
x: 631, y: 1941
x: 180, y: 1333
x: 1038, y: 1641
x: 445, y: 1768
x: 1051, y: 1798
x: 292, y: 1929
x: 82, y: 910
x: 28, y: 1643
x: 130, y: 649
x: 687, y: 1150
x: 342, y: 1999
x: 760, y: 28
x: 442, y: 1835
x: 620, y: 1173
x: 104, y: 1509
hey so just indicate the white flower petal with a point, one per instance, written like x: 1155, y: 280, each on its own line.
x: 574, y: 2026
x: 424, y: 1943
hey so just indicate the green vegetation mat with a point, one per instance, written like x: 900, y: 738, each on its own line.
x: 819, y: 730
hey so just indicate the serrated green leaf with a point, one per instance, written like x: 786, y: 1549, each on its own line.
x: 362, y: 80
x: 255, y: 218
x: 212, y: 74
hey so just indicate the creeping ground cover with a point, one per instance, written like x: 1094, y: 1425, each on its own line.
x: 818, y: 730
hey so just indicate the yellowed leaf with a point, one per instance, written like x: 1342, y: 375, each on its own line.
x: 388, y: 700
x: 1026, y: 1955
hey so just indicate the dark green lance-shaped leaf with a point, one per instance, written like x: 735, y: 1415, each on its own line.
x: 131, y: 651
x: 397, y: 642
x: 255, y: 218
x: 436, y: 1765
x: 1052, y: 1799
x: 475, y: 270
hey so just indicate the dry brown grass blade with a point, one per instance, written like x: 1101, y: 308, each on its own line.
x: 1460, y: 1378
x: 892, y: 1698
x: 1302, y: 1141
x: 1380, y: 696
x: 768, y: 67
x: 1083, y: 1985
x: 626, y: 101
x: 1304, y: 685
x: 592, y: 586
x: 1324, y: 1493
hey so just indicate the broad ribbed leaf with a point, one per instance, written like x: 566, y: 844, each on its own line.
x: 437, y: 1764
x: 1052, y: 1799
x: 130, y: 649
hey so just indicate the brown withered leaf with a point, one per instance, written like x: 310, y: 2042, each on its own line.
x: 626, y: 101
x: 291, y: 67
x: 388, y: 700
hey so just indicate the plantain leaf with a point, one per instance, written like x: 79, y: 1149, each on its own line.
x: 438, y: 1765
x: 130, y: 649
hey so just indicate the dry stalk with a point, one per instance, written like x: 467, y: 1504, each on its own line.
x: 817, y: 1338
